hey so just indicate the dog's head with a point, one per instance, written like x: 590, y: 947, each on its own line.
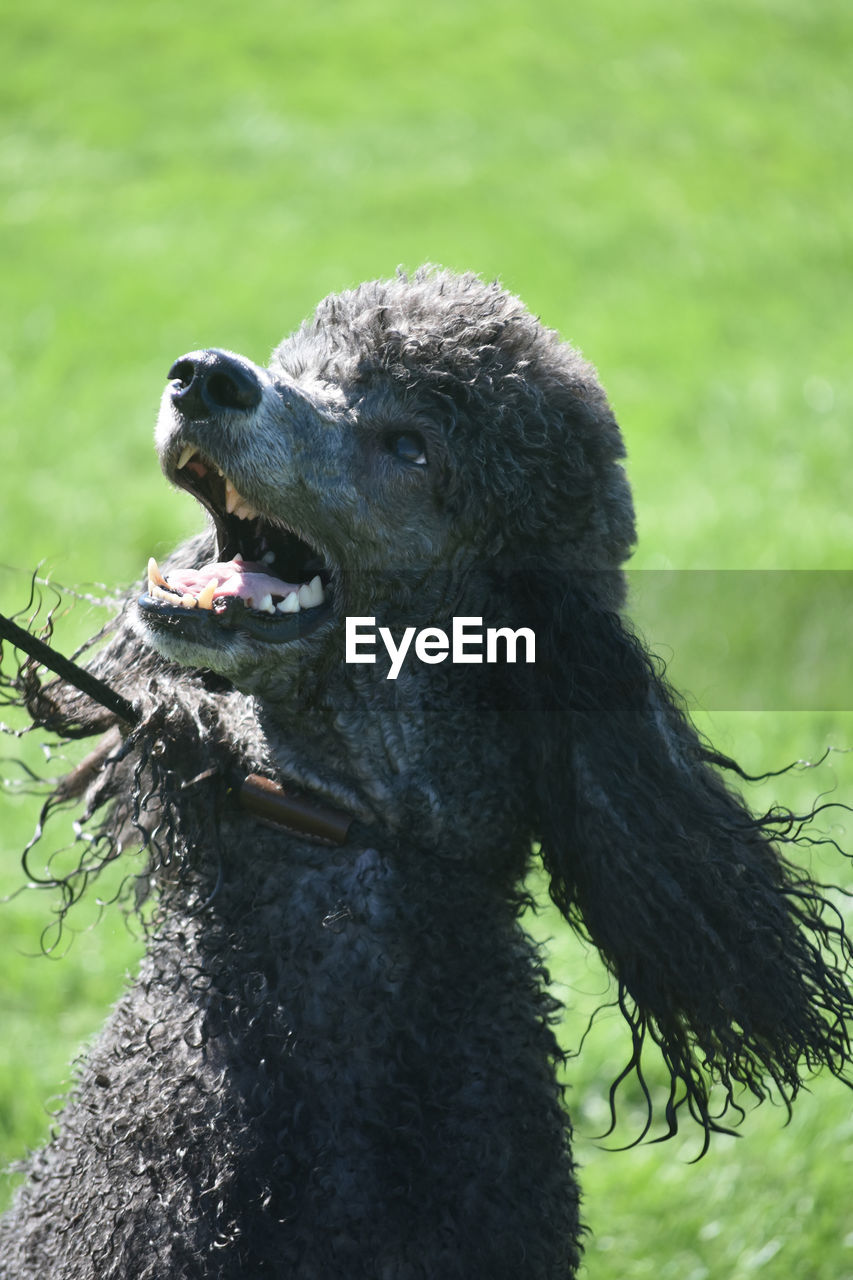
x: 411, y: 434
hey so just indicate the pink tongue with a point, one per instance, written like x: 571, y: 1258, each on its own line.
x: 241, y: 578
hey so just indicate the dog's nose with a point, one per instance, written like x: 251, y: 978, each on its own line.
x: 206, y: 382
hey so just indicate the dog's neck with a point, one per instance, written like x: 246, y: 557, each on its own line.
x: 367, y: 746
x: 358, y: 745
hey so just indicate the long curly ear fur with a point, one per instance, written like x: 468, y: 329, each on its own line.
x: 726, y: 954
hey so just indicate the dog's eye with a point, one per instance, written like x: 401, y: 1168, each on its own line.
x: 408, y: 446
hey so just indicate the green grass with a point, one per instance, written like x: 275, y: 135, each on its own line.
x: 669, y: 185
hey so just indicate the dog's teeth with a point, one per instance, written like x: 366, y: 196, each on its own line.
x: 188, y: 451
x: 159, y: 594
x: 189, y: 602
x: 266, y: 605
x: 204, y: 599
x: 236, y: 504
x: 155, y: 577
x: 290, y: 604
x: 311, y: 594
x: 268, y: 557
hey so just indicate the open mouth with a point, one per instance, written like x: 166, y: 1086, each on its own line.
x: 266, y: 580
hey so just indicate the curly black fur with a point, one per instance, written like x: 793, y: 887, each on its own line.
x: 341, y: 1062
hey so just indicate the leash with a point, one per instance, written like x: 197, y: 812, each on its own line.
x: 266, y: 799
x: 68, y: 671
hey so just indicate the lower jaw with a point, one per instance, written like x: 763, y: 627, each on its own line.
x: 209, y: 628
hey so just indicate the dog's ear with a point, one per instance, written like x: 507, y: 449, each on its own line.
x: 724, y: 953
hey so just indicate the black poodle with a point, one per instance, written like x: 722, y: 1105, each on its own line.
x: 403, y: 626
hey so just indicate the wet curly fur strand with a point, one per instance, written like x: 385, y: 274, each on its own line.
x: 341, y: 1062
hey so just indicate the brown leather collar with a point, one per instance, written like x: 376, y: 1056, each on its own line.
x: 294, y: 811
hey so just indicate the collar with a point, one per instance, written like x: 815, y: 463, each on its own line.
x: 296, y: 812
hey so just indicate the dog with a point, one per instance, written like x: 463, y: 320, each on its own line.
x: 338, y: 1059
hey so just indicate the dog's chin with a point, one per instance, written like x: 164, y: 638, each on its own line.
x: 249, y: 648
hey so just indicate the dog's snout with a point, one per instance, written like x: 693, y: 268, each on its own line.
x: 206, y: 382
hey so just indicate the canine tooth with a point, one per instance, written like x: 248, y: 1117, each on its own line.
x: 154, y: 574
x: 204, y: 599
x: 290, y: 604
x: 236, y: 504
x: 188, y: 451
x: 311, y: 594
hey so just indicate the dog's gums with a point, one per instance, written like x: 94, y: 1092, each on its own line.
x: 214, y: 585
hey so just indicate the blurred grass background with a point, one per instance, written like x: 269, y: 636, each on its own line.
x: 670, y: 186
